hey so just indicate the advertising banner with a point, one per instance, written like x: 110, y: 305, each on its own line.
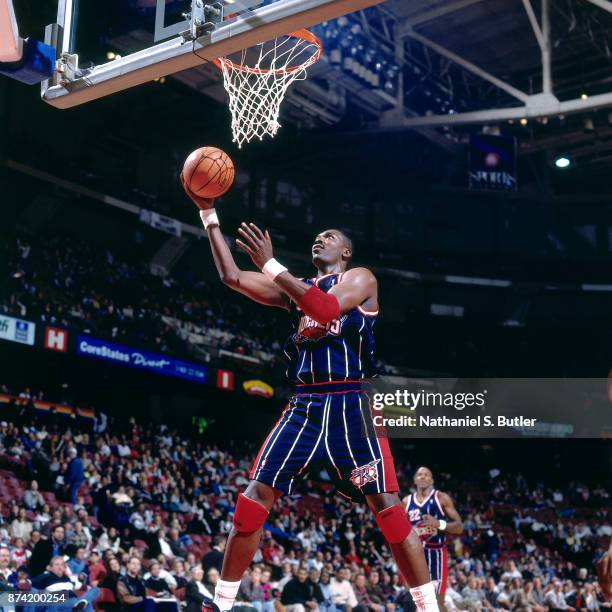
x: 136, y: 358
x: 17, y: 330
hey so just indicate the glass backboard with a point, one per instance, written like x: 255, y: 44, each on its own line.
x: 127, y: 26
x: 123, y: 43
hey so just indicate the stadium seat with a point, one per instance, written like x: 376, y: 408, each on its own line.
x: 180, y: 594
x: 106, y: 600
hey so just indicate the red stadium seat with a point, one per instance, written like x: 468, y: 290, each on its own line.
x: 196, y: 550
x: 106, y: 597
x: 180, y: 594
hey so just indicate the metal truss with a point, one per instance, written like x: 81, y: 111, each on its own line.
x: 544, y: 104
x: 606, y: 5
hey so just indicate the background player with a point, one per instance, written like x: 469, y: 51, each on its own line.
x: 433, y: 515
x: 330, y: 353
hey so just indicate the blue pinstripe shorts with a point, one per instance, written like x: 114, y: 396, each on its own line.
x: 327, y: 424
x: 437, y: 562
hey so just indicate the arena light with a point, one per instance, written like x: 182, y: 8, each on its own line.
x: 562, y: 162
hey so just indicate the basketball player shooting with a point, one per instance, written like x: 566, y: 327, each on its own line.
x: 331, y: 352
x: 433, y: 515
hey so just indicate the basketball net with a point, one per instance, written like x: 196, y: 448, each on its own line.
x: 258, y: 81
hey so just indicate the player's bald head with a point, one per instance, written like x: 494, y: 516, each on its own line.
x: 331, y: 246
x: 423, y: 476
x: 346, y: 240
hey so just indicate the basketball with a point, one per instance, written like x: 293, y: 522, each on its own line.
x: 208, y: 172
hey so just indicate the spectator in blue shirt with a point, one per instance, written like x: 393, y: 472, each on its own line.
x: 78, y: 565
x: 75, y: 474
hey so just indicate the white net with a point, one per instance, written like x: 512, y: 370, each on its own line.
x: 258, y: 79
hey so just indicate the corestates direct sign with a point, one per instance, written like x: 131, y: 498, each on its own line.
x: 17, y: 330
x: 135, y: 358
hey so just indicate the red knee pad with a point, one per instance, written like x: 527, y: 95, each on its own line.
x: 393, y: 523
x: 249, y: 515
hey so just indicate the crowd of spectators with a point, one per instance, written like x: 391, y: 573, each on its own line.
x: 77, y: 285
x: 151, y: 506
x: 111, y: 292
x: 91, y: 289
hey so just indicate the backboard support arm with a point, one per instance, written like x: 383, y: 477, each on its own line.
x: 178, y: 54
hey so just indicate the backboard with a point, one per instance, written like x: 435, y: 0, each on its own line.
x: 105, y: 47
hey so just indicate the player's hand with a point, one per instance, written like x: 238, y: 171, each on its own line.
x: 430, y: 521
x: 604, y: 573
x: 201, y: 203
x: 425, y: 531
x: 256, y: 243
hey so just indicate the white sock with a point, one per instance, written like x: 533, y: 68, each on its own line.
x: 424, y: 597
x: 225, y: 594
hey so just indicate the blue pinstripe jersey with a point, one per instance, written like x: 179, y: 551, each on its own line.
x: 432, y: 506
x: 342, y: 350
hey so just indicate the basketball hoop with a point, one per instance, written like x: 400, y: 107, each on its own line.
x: 258, y: 79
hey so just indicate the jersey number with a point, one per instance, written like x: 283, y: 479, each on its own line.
x: 334, y: 327
x: 414, y: 516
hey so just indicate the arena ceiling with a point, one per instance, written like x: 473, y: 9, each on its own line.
x: 499, y: 38
x: 334, y: 111
x: 495, y: 36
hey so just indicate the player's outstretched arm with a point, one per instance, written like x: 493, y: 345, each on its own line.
x: 358, y: 286
x: 455, y: 524
x: 252, y: 284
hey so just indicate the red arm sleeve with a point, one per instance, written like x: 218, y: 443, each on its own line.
x: 320, y: 306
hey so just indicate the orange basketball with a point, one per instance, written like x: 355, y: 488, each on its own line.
x: 208, y: 172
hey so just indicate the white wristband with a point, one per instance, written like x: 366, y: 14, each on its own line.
x: 209, y: 217
x: 441, y: 525
x: 272, y: 269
